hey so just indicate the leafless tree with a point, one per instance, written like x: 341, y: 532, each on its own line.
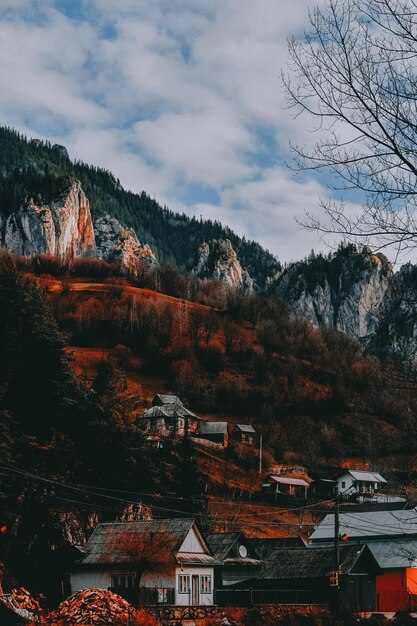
x: 143, y: 551
x: 355, y: 72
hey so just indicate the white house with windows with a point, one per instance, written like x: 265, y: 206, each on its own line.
x: 149, y: 562
x: 355, y: 482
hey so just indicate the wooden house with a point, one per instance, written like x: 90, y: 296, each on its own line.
x: 168, y: 418
x: 215, y: 432
x: 286, y: 486
x: 149, y: 562
x: 392, y: 538
x: 238, y: 558
x: 244, y: 433
x: 303, y: 576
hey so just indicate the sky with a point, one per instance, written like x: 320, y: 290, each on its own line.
x: 180, y: 98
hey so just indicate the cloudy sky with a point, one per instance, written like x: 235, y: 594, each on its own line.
x: 181, y: 98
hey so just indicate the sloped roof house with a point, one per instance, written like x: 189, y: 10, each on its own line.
x: 171, y: 554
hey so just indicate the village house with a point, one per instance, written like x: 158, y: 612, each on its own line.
x: 238, y: 558
x: 354, y: 482
x: 392, y: 538
x: 244, y: 433
x: 149, y: 562
x: 214, y: 432
x: 303, y: 576
x: 167, y: 418
x: 286, y: 486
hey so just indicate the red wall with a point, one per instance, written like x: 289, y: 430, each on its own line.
x: 394, y: 589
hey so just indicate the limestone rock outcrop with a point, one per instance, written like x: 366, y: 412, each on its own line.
x: 217, y: 260
x: 62, y: 228
x: 396, y: 334
x: 345, y: 291
x: 116, y: 243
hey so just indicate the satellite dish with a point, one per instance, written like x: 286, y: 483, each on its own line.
x: 243, y: 552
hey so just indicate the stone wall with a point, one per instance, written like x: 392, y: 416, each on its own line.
x: 213, y: 615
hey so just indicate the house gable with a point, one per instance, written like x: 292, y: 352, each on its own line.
x: 194, y: 542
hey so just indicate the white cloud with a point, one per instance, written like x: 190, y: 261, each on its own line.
x: 174, y: 97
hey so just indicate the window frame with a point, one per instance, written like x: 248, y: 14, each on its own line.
x: 208, y: 578
x: 186, y: 578
x: 128, y: 578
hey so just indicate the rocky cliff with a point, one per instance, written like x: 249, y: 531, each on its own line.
x: 63, y: 228
x: 118, y: 244
x: 217, y: 260
x: 396, y: 334
x: 345, y: 291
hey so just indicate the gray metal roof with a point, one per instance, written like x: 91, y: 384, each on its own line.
x: 212, y: 428
x: 115, y: 542
x: 288, y: 480
x: 196, y: 558
x: 245, y: 428
x: 369, y: 524
x: 373, y: 477
x: 395, y: 554
x: 304, y: 563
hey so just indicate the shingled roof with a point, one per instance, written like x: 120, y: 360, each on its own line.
x: 221, y: 543
x: 264, y: 546
x: 225, y: 547
x: 169, y: 410
x: 166, y: 399
x: 111, y: 543
x: 312, y: 563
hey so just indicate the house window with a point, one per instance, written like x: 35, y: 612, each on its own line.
x: 123, y: 581
x: 183, y: 583
x: 162, y: 596
x: 343, y: 484
x: 205, y: 584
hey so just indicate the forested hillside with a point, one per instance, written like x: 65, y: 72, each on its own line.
x: 32, y: 168
x: 81, y: 358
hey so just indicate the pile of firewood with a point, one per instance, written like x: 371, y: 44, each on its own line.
x: 21, y: 604
x: 95, y: 606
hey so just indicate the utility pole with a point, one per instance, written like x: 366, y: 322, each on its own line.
x: 260, y: 454
x: 336, y: 548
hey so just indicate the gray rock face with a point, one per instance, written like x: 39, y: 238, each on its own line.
x: 345, y: 292
x: 63, y: 228
x: 397, y: 331
x: 117, y: 244
x: 217, y: 260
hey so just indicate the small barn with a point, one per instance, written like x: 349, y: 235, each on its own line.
x: 303, y: 576
x: 287, y: 486
x: 238, y: 558
x: 216, y: 432
x: 164, y: 561
x: 244, y: 433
